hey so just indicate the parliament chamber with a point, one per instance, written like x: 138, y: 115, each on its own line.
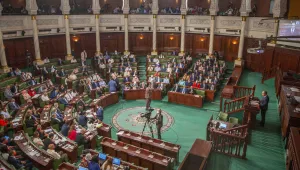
x: 149, y: 84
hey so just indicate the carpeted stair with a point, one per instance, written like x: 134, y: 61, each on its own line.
x: 142, y: 68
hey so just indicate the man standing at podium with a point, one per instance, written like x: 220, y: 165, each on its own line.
x: 148, y: 96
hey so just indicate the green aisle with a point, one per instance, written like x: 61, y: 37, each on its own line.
x: 142, y: 67
x: 265, y: 151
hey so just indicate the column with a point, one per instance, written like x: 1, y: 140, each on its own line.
x: 36, y: 41
x: 182, y: 35
x: 68, y: 41
x: 126, y: 34
x: 213, y: 10
x: 154, y: 52
x: 4, y: 68
x: 97, y: 34
x: 242, y: 38
x: 212, y: 35
x: 96, y: 11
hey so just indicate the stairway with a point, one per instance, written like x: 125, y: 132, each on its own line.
x: 142, y: 67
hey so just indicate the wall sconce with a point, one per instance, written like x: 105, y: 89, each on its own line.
x: 171, y: 38
x: 176, y: 1
x: 75, y: 38
x: 234, y: 42
x: 141, y: 37
x: 202, y: 39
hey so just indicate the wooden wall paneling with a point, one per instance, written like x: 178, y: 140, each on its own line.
x: 218, y: 44
x: 160, y: 42
x: 112, y: 41
x: 171, y: 42
x: 202, y: 3
x: 58, y: 44
x: 288, y: 59
x: 230, y: 49
x: 140, y: 43
x: 86, y: 42
x: 189, y: 44
x: 200, y: 43
x: 169, y: 3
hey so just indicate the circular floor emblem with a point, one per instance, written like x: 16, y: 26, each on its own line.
x: 130, y: 119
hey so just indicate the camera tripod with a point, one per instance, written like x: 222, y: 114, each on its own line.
x: 149, y: 124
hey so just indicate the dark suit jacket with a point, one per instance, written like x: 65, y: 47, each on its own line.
x: 82, y: 120
x: 14, y: 89
x: 80, y: 140
x: 264, y: 103
x: 29, y: 123
x: 15, y: 162
x: 64, y: 129
x: 47, y: 142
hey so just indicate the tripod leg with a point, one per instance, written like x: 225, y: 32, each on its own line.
x: 144, y: 127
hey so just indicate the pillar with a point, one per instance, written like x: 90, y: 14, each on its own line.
x: 154, y: 41
x: 212, y: 35
x: 239, y: 60
x: 182, y: 35
x: 68, y: 41
x: 126, y: 34
x: 97, y: 34
x: 36, y: 41
x: 4, y: 68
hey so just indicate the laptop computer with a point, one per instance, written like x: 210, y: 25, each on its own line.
x: 116, y: 162
x: 102, y: 157
x: 82, y: 168
x: 223, y: 126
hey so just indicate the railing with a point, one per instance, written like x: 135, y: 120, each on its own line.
x: 234, y: 106
x: 241, y: 91
x: 232, y: 142
x: 268, y: 74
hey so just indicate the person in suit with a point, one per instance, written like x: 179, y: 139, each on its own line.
x: 48, y: 140
x: 12, y: 105
x: 55, y: 120
x: 99, y: 113
x: 14, y: 88
x: 94, y: 85
x: 62, y: 89
x: 204, y: 85
x: 42, y: 89
x: 263, y: 104
x: 7, y: 93
x: 30, y: 122
x: 159, y: 123
x: 82, y: 119
x: 16, y: 161
x: 59, y: 62
x: 53, y: 93
x: 80, y: 140
x: 62, y: 73
x: 126, y: 79
x: 184, y: 90
x: 65, y: 129
x: 63, y: 100
x: 112, y: 86
x: 94, y: 163
x: 32, y: 82
x: 148, y: 96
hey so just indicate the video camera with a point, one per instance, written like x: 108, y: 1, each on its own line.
x: 147, y: 114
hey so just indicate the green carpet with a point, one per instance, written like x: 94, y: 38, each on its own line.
x: 265, y: 151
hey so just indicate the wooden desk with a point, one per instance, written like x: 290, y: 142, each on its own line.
x: 110, y: 158
x: 90, y: 136
x: 228, y: 91
x: 67, y: 166
x: 64, y: 144
x: 138, y: 156
x: 40, y: 158
x: 74, y: 101
x: 185, y: 99
x: 293, y: 152
x: 45, y: 117
x: 106, y: 100
x: 19, y: 118
x: 105, y: 129
x: 289, y: 117
x: 151, y: 144
x: 196, y: 158
x: 140, y: 94
x: 5, y: 165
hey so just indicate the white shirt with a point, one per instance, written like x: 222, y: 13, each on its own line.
x: 53, y: 153
x: 45, y: 98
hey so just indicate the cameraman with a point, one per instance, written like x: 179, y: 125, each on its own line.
x: 159, y: 123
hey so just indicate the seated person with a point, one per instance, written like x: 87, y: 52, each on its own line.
x: 44, y: 97
x: 37, y: 140
x: 126, y: 79
x: 73, y: 60
x: 7, y: 93
x: 31, y: 92
x: 17, y: 161
x: 63, y: 100
x: 72, y: 76
x: 12, y: 105
x: 80, y: 139
x: 157, y: 68
x: 32, y: 82
x: 62, y: 89
x: 52, y: 152
x: 102, y: 83
x: 42, y: 89
x: 204, y: 86
x: 158, y: 79
x: 53, y: 93
x: 212, y: 87
x: 150, y: 68
x: 163, y: 68
x: 126, y: 73
x: 196, y: 84
x: 53, y: 69
x: 166, y: 80
x: 46, y: 60
x: 135, y: 79
x: 17, y: 72
x: 25, y: 95
x: 184, y: 90
x: 181, y: 82
x: 5, y: 113
x: 30, y: 122
x: 59, y: 62
x: 62, y: 73
x: 49, y: 83
x: 156, y: 74
x: 188, y: 83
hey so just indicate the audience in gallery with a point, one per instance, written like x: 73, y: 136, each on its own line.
x: 170, y: 10
x: 198, y: 10
x: 205, y: 75
x: 143, y: 9
x: 10, y: 10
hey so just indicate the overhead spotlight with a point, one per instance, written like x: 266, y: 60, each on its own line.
x: 91, y: 28
x: 23, y: 33
x: 57, y: 30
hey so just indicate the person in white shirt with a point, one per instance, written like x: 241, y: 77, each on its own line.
x: 46, y: 60
x: 45, y: 97
x: 37, y: 140
x: 5, y: 113
x: 111, y: 61
x: 53, y: 69
x: 74, y: 93
x: 52, y: 152
x: 73, y: 60
x: 150, y: 68
x: 126, y: 73
x: 135, y: 79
